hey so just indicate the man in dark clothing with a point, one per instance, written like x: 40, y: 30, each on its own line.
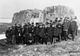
x: 25, y: 33
x: 42, y: 34
x: 13, y: 36
x: 59, y: 31
x: 49, y: 33
x: 8, y: 35
x: 55, y: 32
x: 30, y: 38
x: 36, y: 33
x: 33, y: 33
x: 15, y: 30
x: 73, y: 28
x: 65, y: 25
x: 19, y: 34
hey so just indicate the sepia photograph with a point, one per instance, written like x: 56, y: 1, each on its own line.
x: 39, y: 28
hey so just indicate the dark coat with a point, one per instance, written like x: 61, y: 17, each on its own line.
x: 50, y: 31
x: 42, y: 32
x: 57, y: 30
x: 8, y: 33
x: 73, y: 27
x: 66, y: 26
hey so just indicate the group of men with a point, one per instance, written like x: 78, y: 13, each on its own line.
x: 42, y: 33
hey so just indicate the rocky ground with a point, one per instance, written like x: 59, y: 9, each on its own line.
x: 64, y: 48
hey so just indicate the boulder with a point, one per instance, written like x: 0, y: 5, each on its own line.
x: 36, y: 15
x: 26, y: 16
x: 59, y: 11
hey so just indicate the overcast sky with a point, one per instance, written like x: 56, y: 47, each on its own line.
x: 9, y: 7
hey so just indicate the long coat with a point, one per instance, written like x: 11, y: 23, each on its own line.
x: 57, y: 30
x: 73, y: 27
x: 66, y: 26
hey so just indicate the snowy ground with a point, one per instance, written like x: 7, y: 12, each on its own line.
x: 64, y: 48
x: 2, y: 36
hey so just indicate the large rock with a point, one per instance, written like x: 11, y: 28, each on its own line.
x: 28, y: 15
x: 59, y: 11
x: 35, y: 15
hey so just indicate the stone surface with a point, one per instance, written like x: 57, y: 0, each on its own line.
x: 63, y: 48
x: 69, y: 49
x: 45, y: 15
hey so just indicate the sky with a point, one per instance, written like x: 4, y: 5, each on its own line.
x: 9, y: 7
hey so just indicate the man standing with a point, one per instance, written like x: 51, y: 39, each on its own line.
x: 50, y: 33
x: 13, y: 37
x: 36, y: 33
x: 66, y: 25
x: 42, y: 34
x: 19, y: 34
x: 73, y: 28
x: 9, y: 35
x: 59, y: 31
x: 25, y: 33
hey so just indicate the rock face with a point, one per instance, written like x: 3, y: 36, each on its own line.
x: 35, y: 15
x: 28, y: 15
x: 57, y: 12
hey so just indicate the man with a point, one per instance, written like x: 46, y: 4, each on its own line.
x: 59, y: 31
x: 19, y: 34
x: 49, y: 33
x: 30, y: 38
x: 13, y: 35
x: 73, y: 28
x: 15, y: 30
x: 8, y: 35
x: 65, y: 25
x: 32, y: 33
x: 42, y: 34
x: 25, y: 33
x: 36, y: 33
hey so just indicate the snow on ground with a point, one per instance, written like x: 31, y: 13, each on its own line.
x: 79, y: 28
x: 63, y: 48
x: 2, y: 36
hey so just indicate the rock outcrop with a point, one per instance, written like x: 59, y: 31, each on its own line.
x: 50, y: 13
x: 35, y: 15
x: 28, y: 15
